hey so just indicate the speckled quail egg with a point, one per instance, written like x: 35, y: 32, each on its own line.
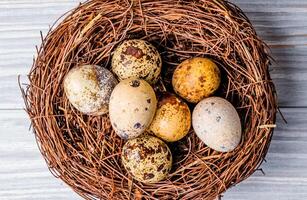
x: 217, y: 123
x: 137, y: 59
x: 147, y: 158
x: 132, y: 107
x: 196, y: 78
x: 89, y: 87
x: 172, y: 120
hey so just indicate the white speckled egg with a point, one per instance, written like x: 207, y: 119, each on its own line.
x: 132, y: 107
x: 89, y: 87
x: 137, y: 59
x: 147, y: 158
x: 217, y: 123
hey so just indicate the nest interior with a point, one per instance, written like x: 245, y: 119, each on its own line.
x: 85, y: 152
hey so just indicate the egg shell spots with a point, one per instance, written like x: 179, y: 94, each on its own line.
x: 147, y: 158
x: 89, y: 87
x: 196, y: 78
x: 217, y: 123
x: 132, y: 107
x: 172, y: 120
x: 137, y: 59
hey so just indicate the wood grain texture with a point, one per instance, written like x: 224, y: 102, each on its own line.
x: 282, y: 24
x: 285, y: 170
x: 20, y: 24
x: 23, y: 172
x: 24, y: 175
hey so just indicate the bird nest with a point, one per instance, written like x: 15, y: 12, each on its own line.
x: 84, y: 151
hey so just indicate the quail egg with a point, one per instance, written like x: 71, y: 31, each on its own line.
x: 137, y: 59
x: 89, y: 87
x: 217, y: 123
x: 132, y: 107
x: 147, y: 158
x: 196, y: 78
x: 172, y: 120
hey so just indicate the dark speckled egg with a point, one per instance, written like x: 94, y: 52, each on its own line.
x: 137, y: 59
x: 132, y: 107
x: 147, y: 158
x: 89, y: 87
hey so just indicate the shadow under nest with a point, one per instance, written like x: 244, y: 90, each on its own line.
x: 85, y: 152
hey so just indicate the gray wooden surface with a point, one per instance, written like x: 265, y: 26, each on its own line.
x: 282, y: 24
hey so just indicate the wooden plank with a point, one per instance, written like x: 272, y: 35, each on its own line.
x: 285, y: 170
x: 266, y: 189
x: 23, y: 172
x: 20, y: 24
x: 289, y: 74
x: 282, y: 24
x: 24, y: 175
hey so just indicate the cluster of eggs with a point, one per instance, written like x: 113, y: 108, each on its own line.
x: 148, y: 122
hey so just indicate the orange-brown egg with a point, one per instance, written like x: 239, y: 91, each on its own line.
x: 196, y: 78
x: 172, y: 120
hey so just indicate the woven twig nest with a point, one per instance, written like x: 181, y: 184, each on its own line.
x: 85, y: 152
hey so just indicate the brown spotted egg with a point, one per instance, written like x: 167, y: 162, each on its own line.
x: 172, y: 120
x: 89, y: 87
x: 137, y: 59
x: 196, y: 78
x: 132, y: 107
x: 147, y: 158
